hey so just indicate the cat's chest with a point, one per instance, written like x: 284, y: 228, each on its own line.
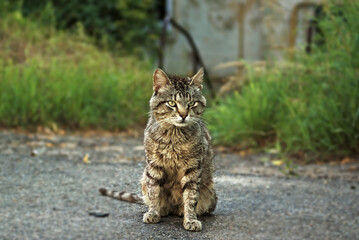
x: 175, y: 155
x: 174, y: 149
x: 175, y: 159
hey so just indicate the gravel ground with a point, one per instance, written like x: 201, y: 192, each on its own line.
x: 47, y: 191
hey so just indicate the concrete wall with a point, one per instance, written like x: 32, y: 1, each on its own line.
x: 231, y: 30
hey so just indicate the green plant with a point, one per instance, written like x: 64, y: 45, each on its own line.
x: 311, y: 104
x: 47, y: 77
x: 246, y: 116
x: 129, y: 26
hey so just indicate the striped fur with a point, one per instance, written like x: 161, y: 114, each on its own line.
x: 123, y: 196
x: 178, y: 178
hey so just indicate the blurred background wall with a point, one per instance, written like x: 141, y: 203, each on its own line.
x: 232, y: 30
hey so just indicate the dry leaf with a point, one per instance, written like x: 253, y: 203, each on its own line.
x: 346, y: 160
x: 353, y: 168
x: 221, y: 149
x: 277, y: 162
x: 243, y: 153
x: 49, y: 145
x: 86, y: 158
x: 61, y: 132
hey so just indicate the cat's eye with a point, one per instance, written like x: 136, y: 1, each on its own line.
x: 191, y: 104
x: 171, y: 103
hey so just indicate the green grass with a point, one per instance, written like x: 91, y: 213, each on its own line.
x: 47, y: 77
x: 311, y: 105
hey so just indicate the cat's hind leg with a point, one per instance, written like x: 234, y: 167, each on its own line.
x: 207, y: 199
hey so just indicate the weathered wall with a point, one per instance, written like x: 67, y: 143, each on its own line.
x: 230, y: 30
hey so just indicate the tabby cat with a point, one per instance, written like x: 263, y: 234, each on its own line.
x: 178, y: 178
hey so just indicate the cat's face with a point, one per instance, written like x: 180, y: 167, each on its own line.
x: 177, y: 101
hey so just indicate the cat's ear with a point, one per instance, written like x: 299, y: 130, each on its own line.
x: 198, y: 79
x: 160, y: 80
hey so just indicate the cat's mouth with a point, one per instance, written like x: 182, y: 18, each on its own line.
x: 181, y: 122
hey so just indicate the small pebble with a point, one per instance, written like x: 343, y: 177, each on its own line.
x: 99, y: 214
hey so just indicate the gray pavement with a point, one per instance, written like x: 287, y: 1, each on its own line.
x: 50, y: 195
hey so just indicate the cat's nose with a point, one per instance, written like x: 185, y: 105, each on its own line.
x: 182, y: 112
x: 183, y: 116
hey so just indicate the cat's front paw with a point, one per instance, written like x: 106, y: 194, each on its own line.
x: 192, y: 225
x: 150, y: 217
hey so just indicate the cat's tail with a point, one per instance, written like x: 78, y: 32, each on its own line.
x: 123, y: 196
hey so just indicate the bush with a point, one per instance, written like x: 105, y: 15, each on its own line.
x: 311, y: 105
x: 125, y: 25
x: 50, y: 77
